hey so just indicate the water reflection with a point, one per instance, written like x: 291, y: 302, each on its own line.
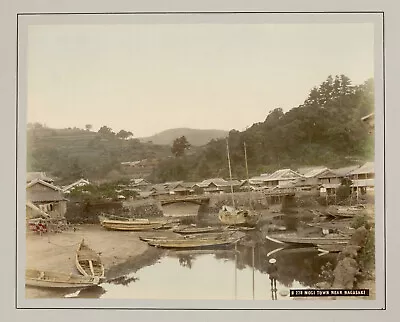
x: 124, y: 280
x: 239, y: 273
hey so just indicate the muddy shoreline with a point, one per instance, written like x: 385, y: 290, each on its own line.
x: 121, y: 253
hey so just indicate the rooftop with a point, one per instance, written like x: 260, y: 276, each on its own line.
x: 368, y: 167
x: 283, y: 174
x: 30, y: 176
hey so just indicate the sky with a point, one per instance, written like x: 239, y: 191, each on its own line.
x: 146, y: 78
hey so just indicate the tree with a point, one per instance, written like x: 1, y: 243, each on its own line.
x: 105, y: 130
x: 124, y: 134
x: 88, y: 127
x: 179, y: 146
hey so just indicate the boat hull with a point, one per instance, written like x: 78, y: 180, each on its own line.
x: 191, y: 245
x: 44, y: 279
x: 197, y: 230
x: 136, y: 225
x: 235, y: 218
x: 314, y: 241
x: 88, y: 262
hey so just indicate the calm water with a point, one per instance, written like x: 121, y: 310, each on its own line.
x: 224, y: 275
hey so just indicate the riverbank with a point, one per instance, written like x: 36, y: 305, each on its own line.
x: 56, y: 252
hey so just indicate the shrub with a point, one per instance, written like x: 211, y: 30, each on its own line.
x: 359, y: 221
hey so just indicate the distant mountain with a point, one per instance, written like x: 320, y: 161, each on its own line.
x: 194, y: 136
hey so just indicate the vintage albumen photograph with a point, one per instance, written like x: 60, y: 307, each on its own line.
x: 200, y: 161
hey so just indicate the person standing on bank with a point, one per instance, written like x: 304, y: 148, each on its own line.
x: 273, y: 273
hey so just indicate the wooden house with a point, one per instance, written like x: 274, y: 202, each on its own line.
x: 279, y: 177
x: 47, y: 197
x: 218, y: 185
x: 335, y: 176
x: 363, y: 178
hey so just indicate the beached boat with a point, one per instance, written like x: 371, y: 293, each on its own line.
x: 139, y: 224
x: 196, y: 230
x: 39, y: 278
x: 313, y: 241
x: 88, y: 262
x: 130, y: 226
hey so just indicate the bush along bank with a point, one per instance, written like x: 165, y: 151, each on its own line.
x: 356, y: 262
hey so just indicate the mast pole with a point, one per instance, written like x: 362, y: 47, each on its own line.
x: 230, y: 172
x: 247, y: 173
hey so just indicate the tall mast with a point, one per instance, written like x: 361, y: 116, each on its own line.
x: 247, y: 173
x: 230, y: 171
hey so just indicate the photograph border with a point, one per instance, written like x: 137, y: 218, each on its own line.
x: 198, y: 13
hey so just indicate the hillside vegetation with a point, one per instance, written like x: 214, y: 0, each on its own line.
x: 325, y: 130
x: 195, y: 137
x: 73, y: 153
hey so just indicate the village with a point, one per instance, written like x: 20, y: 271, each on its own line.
x: 152, y: 218
x: 205, y: 164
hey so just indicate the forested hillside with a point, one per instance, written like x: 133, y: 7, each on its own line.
x: 325, y: 130
x: 74, y: 153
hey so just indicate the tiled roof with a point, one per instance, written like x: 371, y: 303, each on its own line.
x: 283, y: 174
x: 340, y: 172
x: 75, y: 184
x: 366, y: 168
x: 219, y: 182
x: 314, y: 172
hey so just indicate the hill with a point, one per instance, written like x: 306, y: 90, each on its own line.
x: 73, y: 153
x: 195, y: 137
x: 325, y: 130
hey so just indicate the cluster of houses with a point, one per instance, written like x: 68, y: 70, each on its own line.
x: 43, y: 197
x: 316, y: 180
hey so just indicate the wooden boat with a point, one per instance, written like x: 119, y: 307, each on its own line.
x: 336, y: 248
x: 313, y: 241
x: 39, y: 278
x: 196, y: 242
x: 140, y: 221
x: 196, y: 230
x: 232, y: 216
x: 88, y: 262
x: 236, y: 217
x: 241, y: 228
x: 192, y: 243
x: 137, y: 225
x: 200, y: 236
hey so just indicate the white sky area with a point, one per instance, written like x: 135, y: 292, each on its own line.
x: 147, y: 78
